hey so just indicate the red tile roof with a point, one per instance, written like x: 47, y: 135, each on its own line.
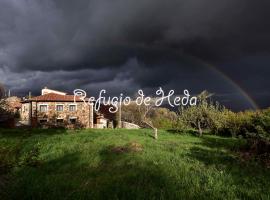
x: 56, y: 97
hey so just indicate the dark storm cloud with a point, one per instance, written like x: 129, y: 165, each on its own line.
x: 45, y: 35
x: 127, y: 44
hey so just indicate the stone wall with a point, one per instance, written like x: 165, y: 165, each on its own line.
x: 128, y: 125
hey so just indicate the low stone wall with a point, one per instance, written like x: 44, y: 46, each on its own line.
x: 128, y: 125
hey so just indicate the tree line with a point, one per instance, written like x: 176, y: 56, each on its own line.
x: 207, y: 117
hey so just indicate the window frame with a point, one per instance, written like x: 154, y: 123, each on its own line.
x: 39, y: 107
x: 59, y: 105
x: 73, y: 104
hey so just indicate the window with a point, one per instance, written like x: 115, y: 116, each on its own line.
x: 59, y: 108
x: 59, y: 121
x: 43, y: 108
x: 73, y: 120
x: 72, y: 107
x: 42, y: 121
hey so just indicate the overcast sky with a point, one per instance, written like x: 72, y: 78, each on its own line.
x: 123, y: 45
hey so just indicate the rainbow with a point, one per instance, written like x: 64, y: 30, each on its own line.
x: 230, y: 81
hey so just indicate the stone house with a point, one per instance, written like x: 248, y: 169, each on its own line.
x: 57, y: 109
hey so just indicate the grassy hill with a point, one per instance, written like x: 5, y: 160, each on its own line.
x: 125, y: 164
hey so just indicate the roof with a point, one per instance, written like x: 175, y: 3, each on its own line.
x: 51, y: 97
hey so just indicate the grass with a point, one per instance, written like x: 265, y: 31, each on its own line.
x: 70, y: 164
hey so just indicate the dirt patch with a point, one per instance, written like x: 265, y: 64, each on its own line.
x: 136, y: 147
x: 119, y: 149
x: 130, y: 147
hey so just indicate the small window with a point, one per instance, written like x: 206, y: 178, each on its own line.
x: 43, y: 108
x: 42, y: 121
x: 73, y: 120
x: 72, y: 107
x: 59, y: 108
x: 59, y: 121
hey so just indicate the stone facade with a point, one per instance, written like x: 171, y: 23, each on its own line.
x: 24, y: 113
x: 82, y: 116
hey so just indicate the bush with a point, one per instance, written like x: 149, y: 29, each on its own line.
x: 259, y: 138
x: 261, y: 121
x: 163, y: 118
x: 180, y: 125
x: 237, y: 123
x: 252, y: 125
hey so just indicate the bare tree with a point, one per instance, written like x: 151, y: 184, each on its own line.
x: 140, y: 115
x: 2, y: 91
x: 144, y: 111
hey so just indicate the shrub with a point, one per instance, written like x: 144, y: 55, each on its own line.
x: 163, y: 118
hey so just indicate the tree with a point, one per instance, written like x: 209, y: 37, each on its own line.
x: 144, y: 111
x: 198, y: 116
x: 140, y: 114
x: 2, y: 91
x: 130, y: 113
x: 3, y: 103
x: 5, y: 113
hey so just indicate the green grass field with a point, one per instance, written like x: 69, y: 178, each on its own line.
x: 125, y: 164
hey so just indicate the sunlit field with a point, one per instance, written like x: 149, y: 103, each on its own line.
x: 126, y: 164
